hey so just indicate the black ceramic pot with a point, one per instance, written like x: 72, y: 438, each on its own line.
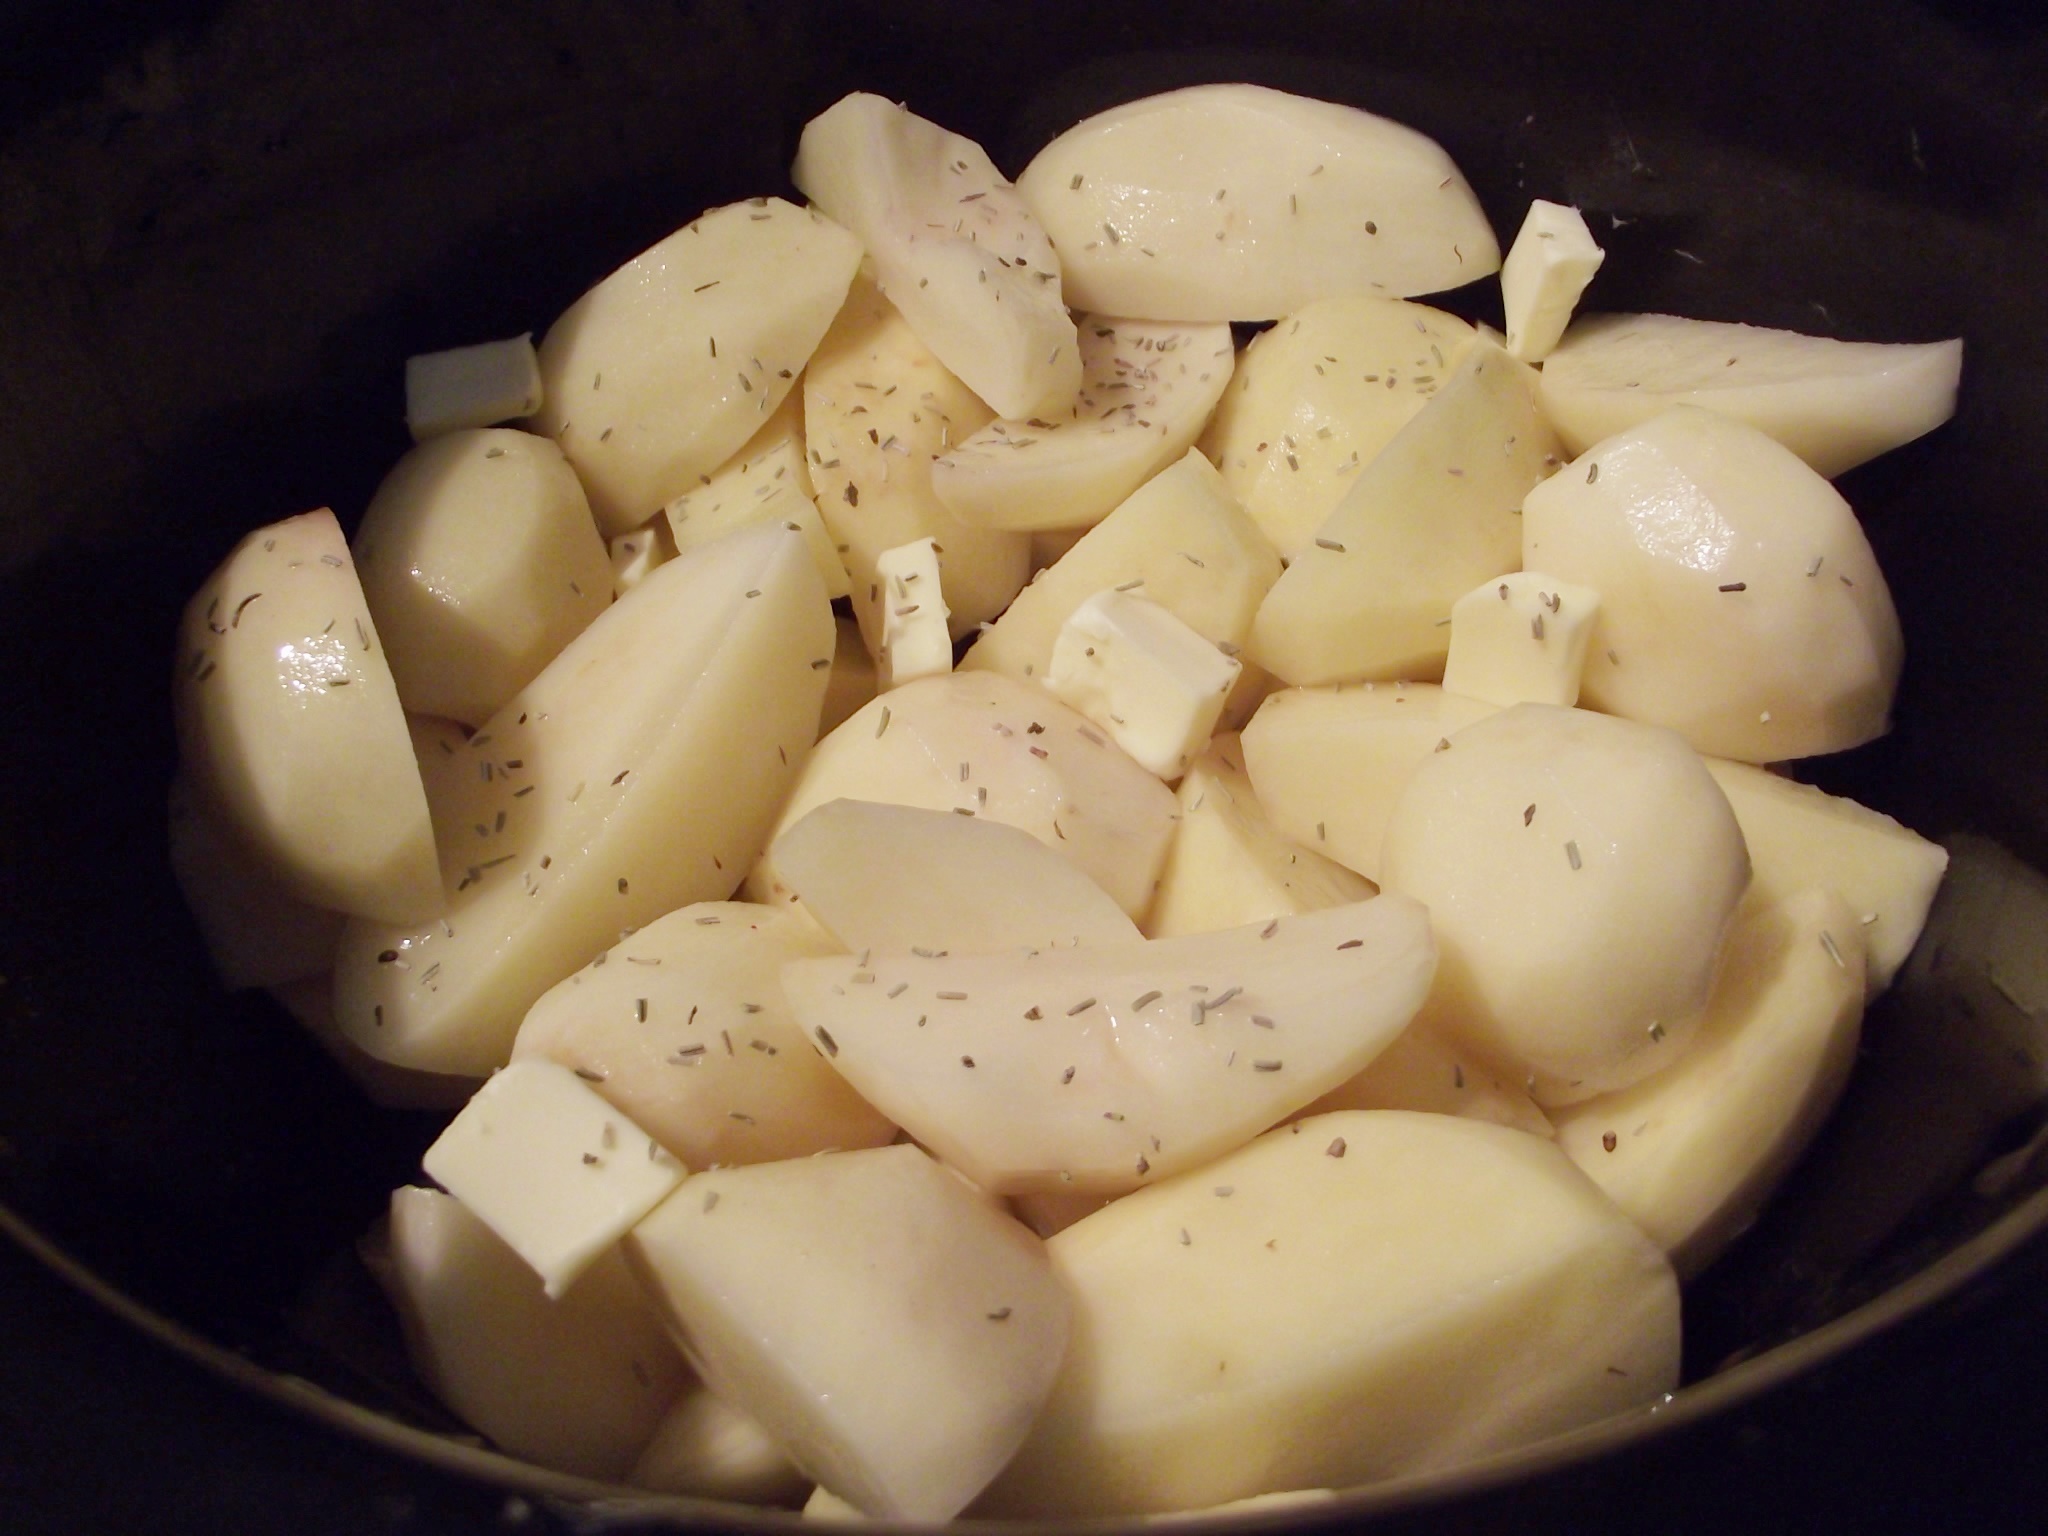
x: 224, y: 225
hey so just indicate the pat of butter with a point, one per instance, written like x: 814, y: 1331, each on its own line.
x: 915, y: 640
x: 480, y: 386
x: 1521, y: 639
x: 773, y: 482
x: 1141, y: 673
x: 551, y: 1167
x: 1547, y: 269
x: 633, y: 555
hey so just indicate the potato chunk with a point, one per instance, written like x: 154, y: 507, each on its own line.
x: 984, y: 745
x: 1235, y: 202
x: 1692, y: 1153
x: 480, y: 561
x: 658, y: 374
x: 1740, y: 602
x: 1315, y: 399
x: 1834, y: 403
x: 1428, y: 519
x: 638, y: 773
x: 1350, y: 1297
x: 1100, y: 1069
x: 1580, y: 871
x: 893, y: 1329
x: 953, y: 245
x: 683, y: 1027
x: 289, y: 726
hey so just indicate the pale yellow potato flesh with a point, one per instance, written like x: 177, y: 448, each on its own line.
x: 1692, y: 1153
x: 290, y: 731
x: 1422, y: 1070
x: 893, y: 1329
x: 1580, y: 871
x: 1834, y: 403
x: 683, y: 1027
x: 1741, y: 604
x: 1236, y: 202
x: 578, y: 1384
x: 1031, y: 762
x: 1435, y: 513
x: 1799, y: 836
x: 713, y: 1449
x: 1229, y: 865
x: 479, y: 559
x: 900, y: 877
x: 1347, y: 1299
x: 607, y: 792
x: 1103, y: 1069
x: 1317, y: 396
x: 768, y: 479
x: 1147, y: 388
x: 1329, y: 763
x: 1180, y: 539
x: 660, y: 372
x: 952, y: 243
x: 873, y: 375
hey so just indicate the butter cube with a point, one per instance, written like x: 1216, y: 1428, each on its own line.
x: 1547, y: 268
x: 1521, y: 639
x: 551, y: 1167
x: 1141, y: 673
x: 915, y: 640
x: 479, y: 386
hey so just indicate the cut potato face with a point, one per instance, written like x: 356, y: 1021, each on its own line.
x: 961, y: 883
x: 1329, y: 763
x: 1580, y: 872
x: 1834, y: 403
x: 769, y: 478
x: 1180, y: 539
x: 659, y: 373
x: 1228, y: 864
x: 1146, y: 390
x: 638, y: 773
x: 290, y: 729
x: 1692, y: 1153
x: 1456, y: 1288
x: 683, y: 1028
x: 878, y: 408
x: 1799, y: 836
x: 953, y: 245
x: 1432, y: 516
x: 1100, y: 1070
x: 1031, y: 762
x: 480, y: 561
x: 895, y: 1331
x: 1235, y: 202
x: 578, y: 1384
x: 1316, y: 397
x: 1741, y: 605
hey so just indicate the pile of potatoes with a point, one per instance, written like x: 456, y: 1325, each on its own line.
x: 1029, y: 911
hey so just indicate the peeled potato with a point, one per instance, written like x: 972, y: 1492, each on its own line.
x: 1741, y: 604
x: 1580, y: 871
x: 1235, y: 202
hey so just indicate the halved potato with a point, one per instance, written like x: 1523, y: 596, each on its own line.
x: 1236, y: 202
